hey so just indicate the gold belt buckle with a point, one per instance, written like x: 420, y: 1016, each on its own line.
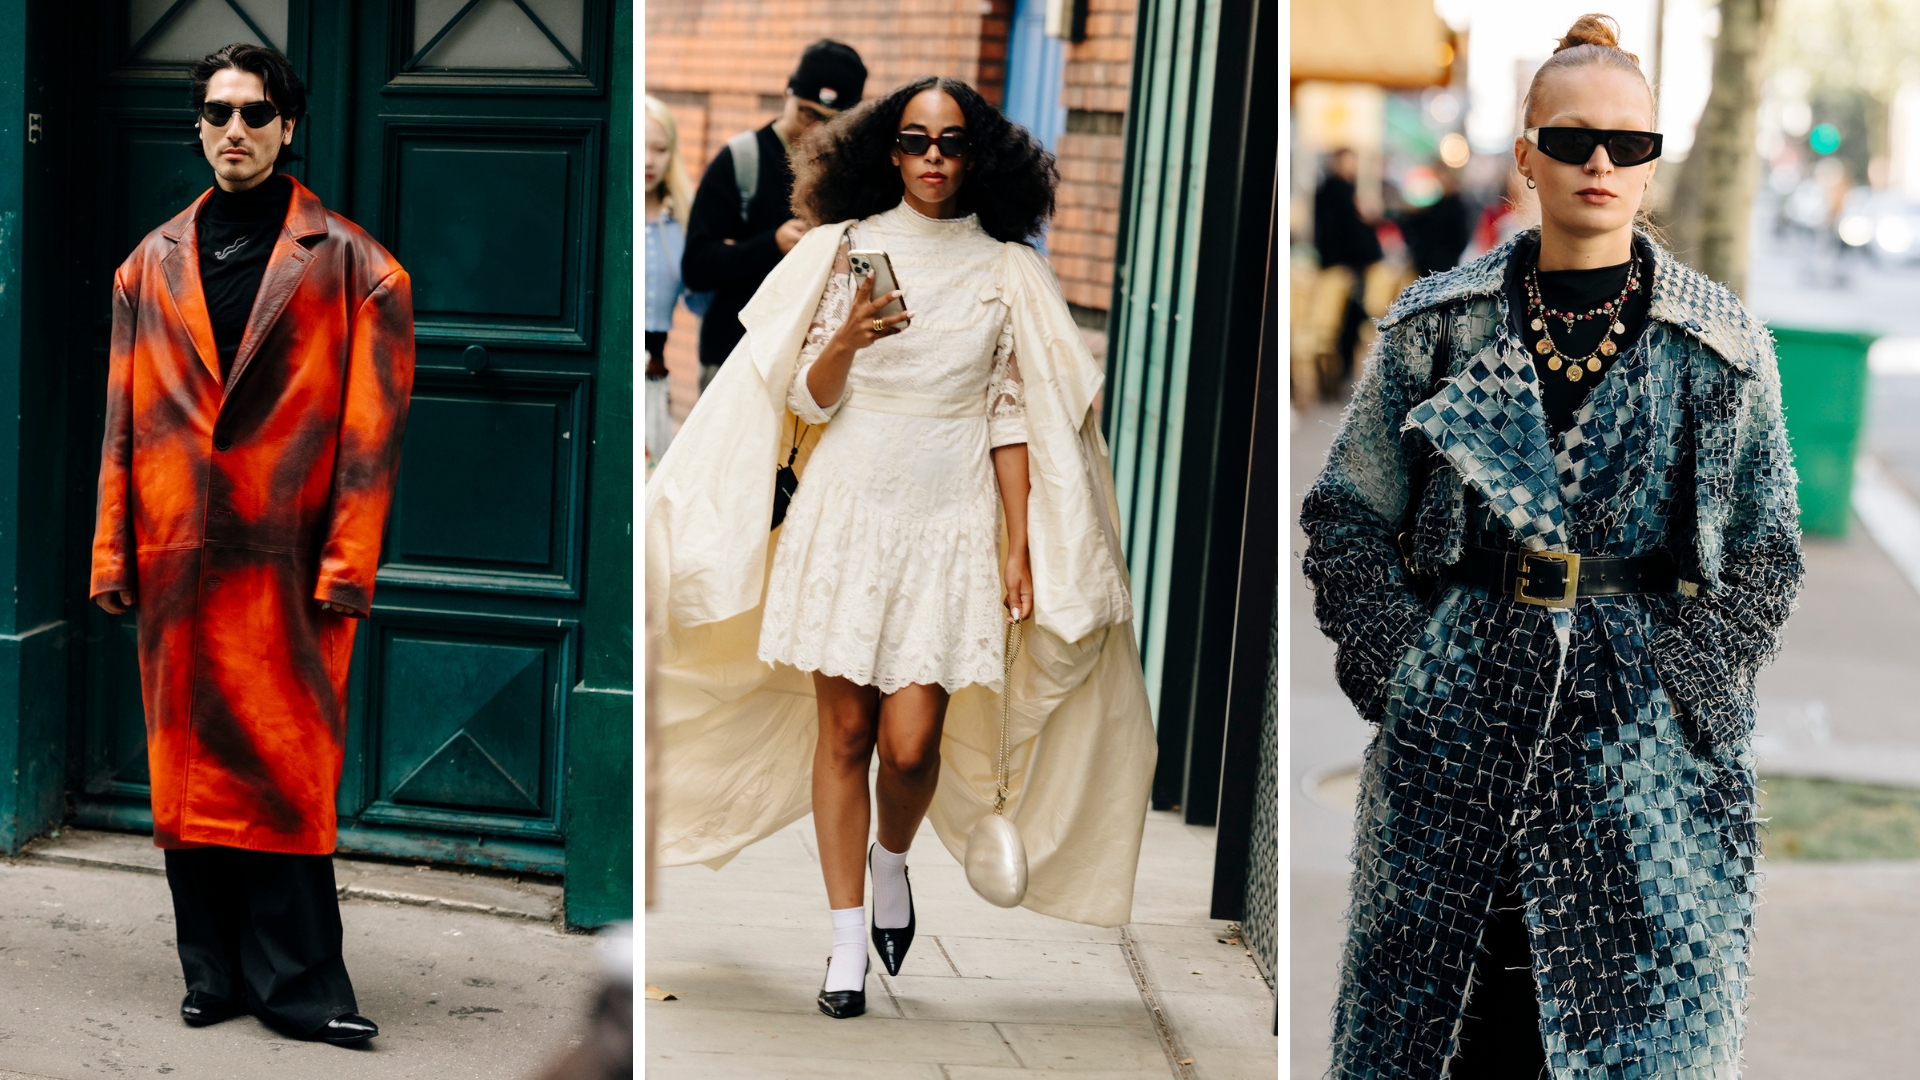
x: 1521, y: 580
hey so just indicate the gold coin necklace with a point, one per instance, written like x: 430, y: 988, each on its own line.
x: 1540, y: 317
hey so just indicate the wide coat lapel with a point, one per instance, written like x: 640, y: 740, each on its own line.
x: 1489, y: 423
x: 285, y: 268
x: 181, y: 268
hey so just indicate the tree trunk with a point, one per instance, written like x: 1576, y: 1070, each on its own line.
x: 1707, y: 219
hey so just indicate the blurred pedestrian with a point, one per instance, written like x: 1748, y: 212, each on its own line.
x: 669, y: 199
x: 257, y: 388
x: 950, y: 417
x: 1343, y: 237
x: 1554, y: 542
x: 742, y: 224
x: 1438, y: 233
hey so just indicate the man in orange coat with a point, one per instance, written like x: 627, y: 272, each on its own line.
x: 261, y: 365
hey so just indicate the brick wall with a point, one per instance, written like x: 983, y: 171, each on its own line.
x: 722, y: 65
x: 1092, y: 151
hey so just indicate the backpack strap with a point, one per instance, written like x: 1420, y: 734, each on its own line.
x: 745, y: 148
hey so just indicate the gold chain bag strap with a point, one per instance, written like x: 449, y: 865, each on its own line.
x: 996, y: 858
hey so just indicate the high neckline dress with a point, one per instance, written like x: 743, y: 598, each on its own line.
x: 886, y: 571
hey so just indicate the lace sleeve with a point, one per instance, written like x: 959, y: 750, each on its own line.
x: 832, y: 312
x: 1006, y: 394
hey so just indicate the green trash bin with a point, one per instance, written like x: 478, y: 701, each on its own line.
x: 1823, y: 388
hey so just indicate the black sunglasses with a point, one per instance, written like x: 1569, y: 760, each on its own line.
x: 915, y: 143
x: 1574, y: 145
x: 257, y: 114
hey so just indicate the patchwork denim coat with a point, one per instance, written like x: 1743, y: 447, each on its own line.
x: 1607, y: 744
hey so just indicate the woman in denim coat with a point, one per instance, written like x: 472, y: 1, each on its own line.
x: 1556, y: 838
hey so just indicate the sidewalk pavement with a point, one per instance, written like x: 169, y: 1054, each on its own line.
x: 1835, y: 943
x: 468, y: 975
x: 986, y: 993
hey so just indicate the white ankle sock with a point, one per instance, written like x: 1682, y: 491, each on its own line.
x: 891, y: 906
x: 849, y: 968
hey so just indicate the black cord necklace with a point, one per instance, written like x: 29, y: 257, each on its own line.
x: 1539, y: 316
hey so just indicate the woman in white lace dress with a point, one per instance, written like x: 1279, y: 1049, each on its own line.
x: 888, y: 582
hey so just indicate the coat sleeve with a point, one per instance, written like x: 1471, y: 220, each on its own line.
x: 1708, y: 650
x: 1362, y: 597
x: 114, y: 566
x: 373, y: 418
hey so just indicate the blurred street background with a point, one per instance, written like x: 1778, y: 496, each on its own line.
x: 1815, y: 157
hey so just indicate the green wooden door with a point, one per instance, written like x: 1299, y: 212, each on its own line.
x: 470, y: 139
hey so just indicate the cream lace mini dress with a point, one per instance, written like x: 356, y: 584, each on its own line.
x: 886, y: 571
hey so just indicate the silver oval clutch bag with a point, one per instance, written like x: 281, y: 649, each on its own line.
x: 997, y: 861
x: 996, y: 856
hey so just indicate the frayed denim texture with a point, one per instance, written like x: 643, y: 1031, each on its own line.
x: 1609, y: 743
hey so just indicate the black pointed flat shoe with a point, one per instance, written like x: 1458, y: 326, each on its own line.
x: 841, y: 1004
x: 200, y: 1008
x: 347, y: 1029
x: 892, y: 945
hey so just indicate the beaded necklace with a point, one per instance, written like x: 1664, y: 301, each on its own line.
x: 1539, y: 315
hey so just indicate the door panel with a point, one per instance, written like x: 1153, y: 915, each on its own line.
x: 490, y: 487
x: 489, y: 216
x: 471, y: 712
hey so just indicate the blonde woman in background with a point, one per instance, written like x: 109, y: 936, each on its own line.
x: 669, y: 196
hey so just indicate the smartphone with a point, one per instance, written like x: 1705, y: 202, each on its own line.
x: 876, y: 265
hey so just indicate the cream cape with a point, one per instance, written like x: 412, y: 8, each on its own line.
x: 737, y: 734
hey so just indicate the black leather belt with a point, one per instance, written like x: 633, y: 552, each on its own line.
x: 1558, y: 578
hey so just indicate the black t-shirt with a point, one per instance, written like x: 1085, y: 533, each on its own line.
x: 237, y: 230
x: 1579, y: 291
x: 734, y: 271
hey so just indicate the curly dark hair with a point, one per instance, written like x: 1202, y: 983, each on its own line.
x: 843, y: 169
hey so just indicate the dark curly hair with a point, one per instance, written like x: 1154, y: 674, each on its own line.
x: 843, y: 169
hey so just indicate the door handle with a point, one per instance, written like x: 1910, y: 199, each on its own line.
x: 476, y: 359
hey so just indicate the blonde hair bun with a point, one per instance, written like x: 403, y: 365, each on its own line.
x: 1597, y: 30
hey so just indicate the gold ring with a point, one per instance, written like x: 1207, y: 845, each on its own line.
x: 879, y: 326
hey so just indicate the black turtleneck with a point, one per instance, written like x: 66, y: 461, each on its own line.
x: 1575, y: 290
x: 237, y: 230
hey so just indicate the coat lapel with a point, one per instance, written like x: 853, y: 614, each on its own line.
x: 182, y: 269
x: 1488, y: 422
x: 285, y: 268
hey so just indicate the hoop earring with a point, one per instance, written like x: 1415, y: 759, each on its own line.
x: 1530, y: 184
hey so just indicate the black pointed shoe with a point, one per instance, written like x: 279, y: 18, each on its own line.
x: 892, y: 945
x: 841, y: 1004
x: 200, y: 1008
x: 347, y: 1029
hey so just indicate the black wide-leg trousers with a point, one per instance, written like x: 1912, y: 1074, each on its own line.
x: 261, y: 930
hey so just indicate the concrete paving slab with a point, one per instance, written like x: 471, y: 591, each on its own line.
x: 989, y: 1073
x: 1082, y: 1047
x: 705, y: 1066
x: 761, y: 986
x: 1058, y: 998
x: 1044, y: 961
x: 673, y: 1026
x: 1010, y: 1001
x: 90, y: 984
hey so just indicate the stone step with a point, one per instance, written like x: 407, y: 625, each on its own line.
x: 357, y: 879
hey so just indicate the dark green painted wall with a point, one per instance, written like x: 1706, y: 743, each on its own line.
x: 600, y: 746
x: 32, y: 431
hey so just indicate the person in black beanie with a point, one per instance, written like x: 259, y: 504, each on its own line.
x: 741, y: 225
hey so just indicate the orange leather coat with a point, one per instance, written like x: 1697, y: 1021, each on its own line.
x: 233, y: 511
